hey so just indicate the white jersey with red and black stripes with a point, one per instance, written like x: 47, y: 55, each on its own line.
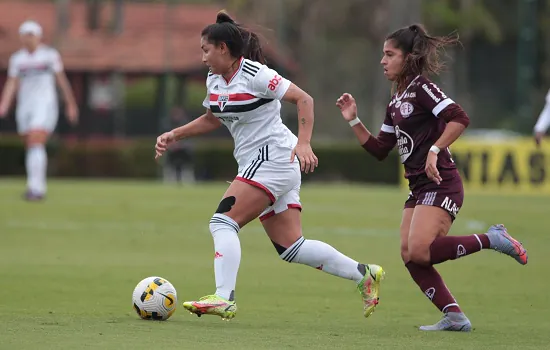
x: 249, y: 106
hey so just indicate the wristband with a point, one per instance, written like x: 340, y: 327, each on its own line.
x: 435, y: 149
x: 354, y: 121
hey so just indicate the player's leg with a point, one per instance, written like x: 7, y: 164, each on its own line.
x: 241, y: 203
x: 283, y: 226
x: 426, y: 277
x: 406, y: 219
x: 38, y: 126
x: 445, y: 248
x: 427, y: 223
x: 445, y: 203
x: 22, y: 119
x: 36, y: 163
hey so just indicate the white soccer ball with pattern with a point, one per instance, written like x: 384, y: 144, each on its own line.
x: 155, y: 298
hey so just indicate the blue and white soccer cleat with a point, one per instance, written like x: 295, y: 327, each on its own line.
x: 452, y: 321
x: 502, y: 242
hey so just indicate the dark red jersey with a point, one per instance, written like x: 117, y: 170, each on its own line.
x: 415, y: 119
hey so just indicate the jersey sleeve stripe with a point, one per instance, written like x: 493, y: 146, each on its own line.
x: 253, y: 68
x: 441, y: 106
x: 249, y: 72
x: 388, y: 128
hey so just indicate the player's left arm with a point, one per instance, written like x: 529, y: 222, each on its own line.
x: 457, y: 121
x: 304, y: 105
x: 65, y: 87
x: 268, y: 83
x: 430, y: 97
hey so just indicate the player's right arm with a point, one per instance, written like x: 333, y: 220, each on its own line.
x: 202, y: 125
x: 378, y: 146
x: 9, y: 88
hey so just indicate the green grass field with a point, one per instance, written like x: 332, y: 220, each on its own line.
x: 69, y: 266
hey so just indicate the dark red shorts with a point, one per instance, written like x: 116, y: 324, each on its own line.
x: 449, y: 195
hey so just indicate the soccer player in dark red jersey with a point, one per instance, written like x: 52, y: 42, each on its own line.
x: 423, y: 122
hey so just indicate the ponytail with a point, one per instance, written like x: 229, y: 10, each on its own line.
x: 239, y: 40
x: 420, y: 50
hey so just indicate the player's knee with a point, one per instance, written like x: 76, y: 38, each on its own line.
x: 34, y: 140
x: 221, y: 222
x: 279, y: 248
x: 226, y: 204
x: 290, y: 253
x: 418, y: 253
x: 405, y: 252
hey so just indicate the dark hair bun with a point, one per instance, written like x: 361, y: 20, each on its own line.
x: 417, y: 28
x: 223, y: 17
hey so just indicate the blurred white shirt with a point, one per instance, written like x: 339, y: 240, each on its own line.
x: 544, y: 119
x: 36, y: 73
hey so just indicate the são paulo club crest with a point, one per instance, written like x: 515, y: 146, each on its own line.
x: 222, y: 101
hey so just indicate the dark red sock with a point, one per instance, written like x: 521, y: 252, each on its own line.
x: 453, y: 247
x: 431, y: 283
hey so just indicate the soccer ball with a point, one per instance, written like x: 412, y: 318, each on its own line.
x: 155, y: 298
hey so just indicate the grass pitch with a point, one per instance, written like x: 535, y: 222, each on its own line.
x: 68, y: 267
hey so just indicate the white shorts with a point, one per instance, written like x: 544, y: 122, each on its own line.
x: 279, y: 178
x: 42, y: 116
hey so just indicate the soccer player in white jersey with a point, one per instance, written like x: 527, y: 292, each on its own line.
x: 244, y: 95
x: 33, y: 72
x: 543, y: 122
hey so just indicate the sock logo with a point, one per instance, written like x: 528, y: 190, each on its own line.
x: 320, y: 267
x: 460, y: 251
x: 430, y: 293
x: 218, y: 255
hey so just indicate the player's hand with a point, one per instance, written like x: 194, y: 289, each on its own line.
x: 163, y: 141
x: 72, y: 113
x: 431, y: 168
x: 308, y: 160
x: 347, y: 106
x: 538, y: 138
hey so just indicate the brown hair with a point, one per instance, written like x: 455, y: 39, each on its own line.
x: 239, y: 40
x: 421, y: 51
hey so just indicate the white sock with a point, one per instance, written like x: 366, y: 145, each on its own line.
x: 228, y: 254
x: 324, y: 257
x: 37, y: 165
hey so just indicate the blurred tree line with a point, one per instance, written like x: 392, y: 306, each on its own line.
x: 500, y: 74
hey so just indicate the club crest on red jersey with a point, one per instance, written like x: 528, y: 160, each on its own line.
x: 222, y: 101
x: 406, y: 109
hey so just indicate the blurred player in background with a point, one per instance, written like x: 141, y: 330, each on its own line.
x: 179, y: 165
x: 543, y: 122
x: 244, y: 95
x: 33, y: 72
x: 424, y: 122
